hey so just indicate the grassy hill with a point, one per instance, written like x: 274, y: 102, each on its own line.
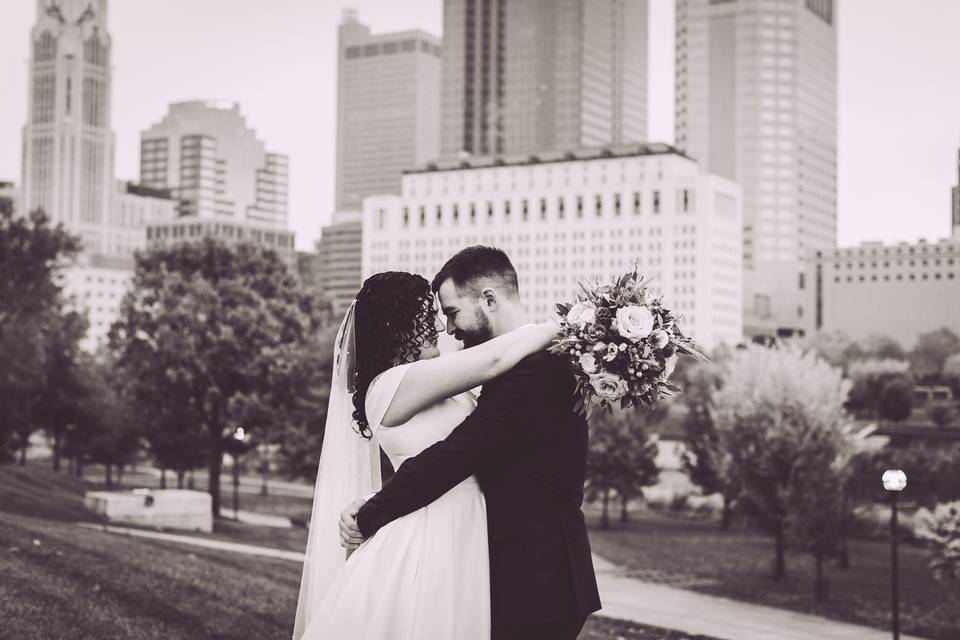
x: 63, y: 581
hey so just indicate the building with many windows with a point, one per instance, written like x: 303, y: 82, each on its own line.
x: 537, y: 75
x: 196, y: 228
x: 339, y: 262
x: 900, y: 291
x: 68, y: 144
x: 756, y: 102
x: 134, y: 208
x: 214, y: 166
x: 388, y: 108
x: 571, y: 216
x: 97, y: 285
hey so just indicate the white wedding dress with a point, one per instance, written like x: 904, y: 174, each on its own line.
x: 425, y: 576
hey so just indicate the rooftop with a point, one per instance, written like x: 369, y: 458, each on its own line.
x: 147, y: 192
x: 546, y: 157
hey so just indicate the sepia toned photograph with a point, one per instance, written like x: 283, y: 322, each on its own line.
x: 480, y: 320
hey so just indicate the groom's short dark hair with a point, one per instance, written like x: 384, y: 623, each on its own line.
x: 468, y: 267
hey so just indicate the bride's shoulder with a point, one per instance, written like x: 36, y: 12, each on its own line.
x: 383, y: 387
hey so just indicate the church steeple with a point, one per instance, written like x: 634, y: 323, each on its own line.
x: 68, y: 144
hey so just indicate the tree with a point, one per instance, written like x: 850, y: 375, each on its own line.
x: 885, y: 348
x: 932, y: 350
x: 940, y: 414
x: 622, y: 457
x: 816, y: 513
x: 941, y: 529
x: 951, y: 374
x: 781, y: 408
x: 63, y: 376
x: 896, y: 399
x: 215, y: 322
x: 706, y: 457
x: 869, y: 377
x: 32, y: 254
x: 836, y: 348
x: 300, y: 436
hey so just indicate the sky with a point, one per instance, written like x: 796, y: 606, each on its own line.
x: 898, y: 87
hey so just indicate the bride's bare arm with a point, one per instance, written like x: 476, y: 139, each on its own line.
x: 429, y: 381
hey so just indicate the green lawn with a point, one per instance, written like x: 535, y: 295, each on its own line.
x: 63, y: 581
x: 696, y: 555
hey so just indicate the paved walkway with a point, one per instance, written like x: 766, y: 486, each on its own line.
x: 259, y: 519
x: 697, y: 613
x: 236, y: 547
x: 643, y: 602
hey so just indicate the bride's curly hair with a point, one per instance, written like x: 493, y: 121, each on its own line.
x: 394, y: 318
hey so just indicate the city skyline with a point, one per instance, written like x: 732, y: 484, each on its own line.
x: 258, y: 60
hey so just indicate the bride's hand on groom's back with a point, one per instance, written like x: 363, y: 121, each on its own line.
x: 350, y: 536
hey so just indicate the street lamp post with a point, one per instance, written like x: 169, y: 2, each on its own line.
x: 894, y: 481
x: 239, y: 436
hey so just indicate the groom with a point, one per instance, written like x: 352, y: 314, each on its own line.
x: 527, y: 445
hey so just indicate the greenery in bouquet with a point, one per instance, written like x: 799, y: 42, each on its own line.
x: 623, y: 344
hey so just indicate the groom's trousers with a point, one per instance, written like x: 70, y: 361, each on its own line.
x: 553, y: 631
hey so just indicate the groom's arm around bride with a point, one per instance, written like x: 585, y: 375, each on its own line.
x: 527, y: 445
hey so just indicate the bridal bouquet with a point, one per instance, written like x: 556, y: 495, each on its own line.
x: 623, y: 344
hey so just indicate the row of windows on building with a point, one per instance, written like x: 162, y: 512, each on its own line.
x: 389, y: 48
x: 886, y: 264
x: 271, y: 238
x: 545, y: 178
x: 685, y: 204
x: 898, y: 277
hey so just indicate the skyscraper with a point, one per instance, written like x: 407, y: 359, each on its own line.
x: 226, y: 184
x: 956, y: 204
x: 756, y: 101
x: 388, y: 108
x: 537, y: 75
x: 214, y: 165
x: 67, y: 140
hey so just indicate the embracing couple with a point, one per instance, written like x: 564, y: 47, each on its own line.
x: 479, y: 534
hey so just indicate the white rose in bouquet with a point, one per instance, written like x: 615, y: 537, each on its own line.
x: 634, y: 322
x: 582, y: 314
x: 588, y: 362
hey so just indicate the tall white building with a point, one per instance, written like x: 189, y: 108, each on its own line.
x: 388, y: 108
x: 756, y: 102
x: 214, y: 165
x: 67, y: 140
x: 566, y: 217
x: 538, y: 75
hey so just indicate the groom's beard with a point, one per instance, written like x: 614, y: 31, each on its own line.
x: 476, y: 336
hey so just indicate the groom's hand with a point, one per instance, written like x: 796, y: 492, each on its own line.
x: 350, y: 536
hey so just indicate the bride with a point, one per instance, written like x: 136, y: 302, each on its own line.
x: 425, y: 575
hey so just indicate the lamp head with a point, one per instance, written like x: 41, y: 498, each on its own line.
x: 894, y: 480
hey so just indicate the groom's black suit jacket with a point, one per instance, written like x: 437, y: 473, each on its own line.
x: 528, y: 448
